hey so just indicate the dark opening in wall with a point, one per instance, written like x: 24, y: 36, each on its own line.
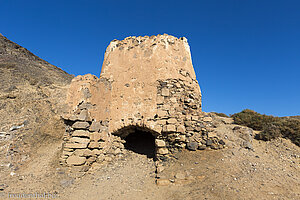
x: 141, y: 142
x: 138, y: 140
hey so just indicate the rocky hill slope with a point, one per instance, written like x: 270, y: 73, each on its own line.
x: 19, y: 66
x: 32, y: 95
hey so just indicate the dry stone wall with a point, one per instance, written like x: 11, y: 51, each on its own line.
x: 146, y: 83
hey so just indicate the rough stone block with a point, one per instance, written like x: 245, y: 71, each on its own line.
x: 83, y: 152
x: 81, y: 133
x: 117, y: 151
x: 214, y: 146
x: 157, y: 128
x: 94, y: 145
x: 91, y: 159
x: 84, y: 105
x: 159, y: 169
x: 247, y: 145
x: 87, y: 152
x: 68, y: 149
x: 181, y: 138
x: 173, y: 100
x: 81, y: 125
x: 171, y: 128
x: 181, y: 129
x: 201, y: 147
x: 188, y: 117
x: 160, y: 100
x: 67, y: 153
x: 66, y: 116
x: 164, y: 128
x: 76, y: 145
x: 160, y: 143
x: 104, y: 136
x: 96, y: 136
x: 207, y: 119
x: 193, y: 146
x: 162, y: 122
x: 178, y: 85
x: 96, y: 152
x: 209, y: 142
x: 83, y: 116
x: 121, y: 146
x: 162, y: 151
x: 182, y: 145
x: 187, y: 123
x: 73, y: 118
x: 79, y: 140
x: 165, y: 92
x: 173, y: 112
x: 212, y: 134
x: 190, y: 128
x: 102, y: 145
x: 162, y: 113
x: 197, y: 128
x: 95, y: 126
x: 101, y: 158
x: 166, y: 107
x: 172, y: 121
x: 195, y: 118
x: 75, y: 160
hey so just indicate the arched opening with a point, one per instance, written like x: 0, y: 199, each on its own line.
x: 139, y: 140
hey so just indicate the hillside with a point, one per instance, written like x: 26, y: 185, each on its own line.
x: 270, y: 127
x: 32, y: 95
x: 18, y: 66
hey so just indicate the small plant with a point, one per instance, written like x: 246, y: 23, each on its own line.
x: 220, y: 114
x: 271, y: 127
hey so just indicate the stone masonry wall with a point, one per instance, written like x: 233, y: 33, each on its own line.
x: 146, y: 83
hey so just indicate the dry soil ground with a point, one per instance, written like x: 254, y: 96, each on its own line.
x: 271, y: 171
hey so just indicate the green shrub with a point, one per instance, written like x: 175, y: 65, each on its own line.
x: 221, y: 114
x: 271, y: 127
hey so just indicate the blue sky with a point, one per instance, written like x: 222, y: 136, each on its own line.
x: 246, y: 53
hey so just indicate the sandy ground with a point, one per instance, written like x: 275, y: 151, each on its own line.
x: 271, y: 171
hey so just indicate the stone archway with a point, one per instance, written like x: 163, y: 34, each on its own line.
x: 140, y: 140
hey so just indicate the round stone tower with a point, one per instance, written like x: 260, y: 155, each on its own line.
x: 147, y: 84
